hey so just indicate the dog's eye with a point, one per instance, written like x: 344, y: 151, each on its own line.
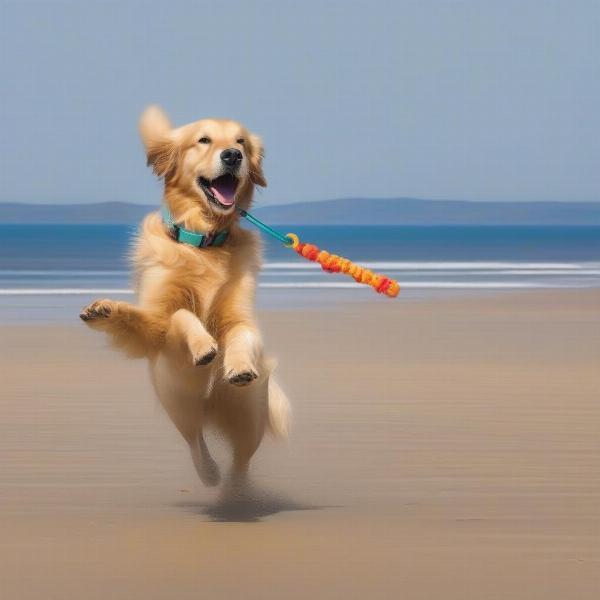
x: 241, y: 141
x: 204, y: 140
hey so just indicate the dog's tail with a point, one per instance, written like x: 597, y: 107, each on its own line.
x: 279, y: 407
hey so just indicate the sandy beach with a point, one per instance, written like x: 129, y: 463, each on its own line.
x: 440, y: 449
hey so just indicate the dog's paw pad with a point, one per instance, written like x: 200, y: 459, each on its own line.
x: 242, y: 378
x: 206, y: 358
x: 97, y: 310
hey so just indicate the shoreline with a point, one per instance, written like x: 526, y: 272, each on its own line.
x: 64, y: 308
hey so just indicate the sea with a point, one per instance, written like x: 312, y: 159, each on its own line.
x: 48, y: 271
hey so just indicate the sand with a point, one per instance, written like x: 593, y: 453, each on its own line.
x: 441, y: 449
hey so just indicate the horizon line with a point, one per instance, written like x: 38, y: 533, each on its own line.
x: 296, y: 202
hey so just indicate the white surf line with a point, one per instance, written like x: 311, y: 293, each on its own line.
x: 395, y: 265
x: 540, y: 272
x: 466, y: 273
x: 62, y: 292
x: 410, y: 284
x: 62, y: 272
x: 301, y: 285
x: 430, y: 265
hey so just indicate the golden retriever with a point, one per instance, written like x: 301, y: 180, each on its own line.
x: 194, y: 320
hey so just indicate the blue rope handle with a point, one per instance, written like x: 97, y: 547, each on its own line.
x: 284, y: 239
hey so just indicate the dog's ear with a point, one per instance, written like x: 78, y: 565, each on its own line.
x: 256, y: 156
x: 163, y: 156
x: 161, y: 149
x: 154, y: 124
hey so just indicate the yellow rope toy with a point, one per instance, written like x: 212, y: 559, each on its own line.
x: 332, y: 263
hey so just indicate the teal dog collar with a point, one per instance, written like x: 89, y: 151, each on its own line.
x: 192, y: 238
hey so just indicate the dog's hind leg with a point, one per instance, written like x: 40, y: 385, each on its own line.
x: 205, y: 464
x: 182, y: 390
x: 241, y: 413
x: 187, y: 421
x: 185, y: 414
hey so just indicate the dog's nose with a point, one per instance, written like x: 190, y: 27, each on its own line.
x: 232, y: 157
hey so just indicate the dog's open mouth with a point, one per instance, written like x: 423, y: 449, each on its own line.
x: 221, y: 190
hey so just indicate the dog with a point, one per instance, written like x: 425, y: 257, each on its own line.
x: 195, y: 274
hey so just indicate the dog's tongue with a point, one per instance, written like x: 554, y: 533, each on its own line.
x: 224, y: 190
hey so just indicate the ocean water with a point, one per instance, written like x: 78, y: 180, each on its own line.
x: 44, y: 268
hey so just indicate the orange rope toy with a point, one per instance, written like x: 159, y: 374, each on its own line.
x: 332, y: 263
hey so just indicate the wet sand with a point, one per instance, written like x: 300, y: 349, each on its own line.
x: 440, y: 449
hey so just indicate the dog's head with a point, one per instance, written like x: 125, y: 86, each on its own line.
x: 212, y: 164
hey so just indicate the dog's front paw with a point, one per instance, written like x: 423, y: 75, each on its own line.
x: 203, y: 349
x: 243, y: 377
x: 98, y: 311
x: 205, y: 358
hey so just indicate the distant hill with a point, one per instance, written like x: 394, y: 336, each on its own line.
x: 411, y: 211
x: 351, y: 211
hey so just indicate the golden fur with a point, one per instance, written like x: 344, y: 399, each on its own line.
x: 194, y: 319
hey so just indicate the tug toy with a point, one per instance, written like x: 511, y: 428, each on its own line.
x: 332, y: 263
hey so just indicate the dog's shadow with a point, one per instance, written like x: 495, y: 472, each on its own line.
x: 245, y: 504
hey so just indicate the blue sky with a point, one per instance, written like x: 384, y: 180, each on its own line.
x: 475, y: 100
